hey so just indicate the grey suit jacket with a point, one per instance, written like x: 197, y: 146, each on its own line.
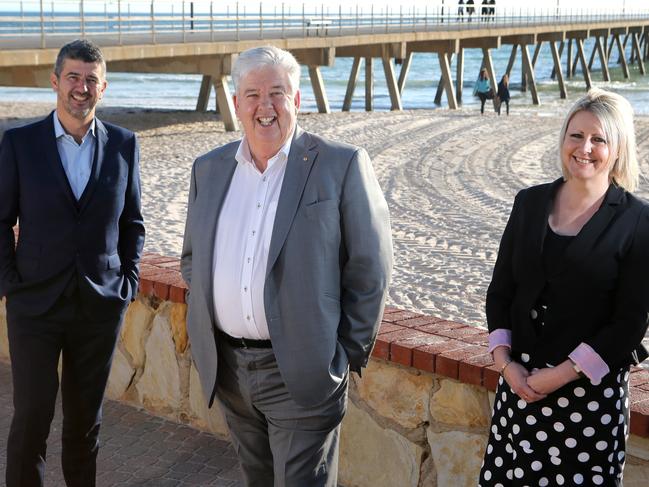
x: 329, y: 264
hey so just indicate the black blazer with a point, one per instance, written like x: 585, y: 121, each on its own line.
x: 600, y: 295
x: 97, y: 240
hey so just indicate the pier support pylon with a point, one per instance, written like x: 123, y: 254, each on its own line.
x: 351, y: 84
x: 621, y: 55
x: 459, y: 75
x: 369, y: 84
x: 528, y: 69
x: 638, y: 52
x: 319, y: 90
x: 204, y: 93
x: 225, y: 103
x: 403, y: 73
x: 556, y: 57
x: 584, y: 65
x: 447, y: 81
x: 391, y: 81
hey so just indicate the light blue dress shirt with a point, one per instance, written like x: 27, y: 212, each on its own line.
x: 76, y: 158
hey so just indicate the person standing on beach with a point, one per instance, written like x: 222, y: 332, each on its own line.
x: 567, y: 309
x: 483, y: 89
x: 503, y: 93
x: 287, y: 255
x: 72, y: 183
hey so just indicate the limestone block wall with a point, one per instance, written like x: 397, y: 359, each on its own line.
x: 418, y: 417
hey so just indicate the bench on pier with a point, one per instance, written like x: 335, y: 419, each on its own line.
x: 317, y: 26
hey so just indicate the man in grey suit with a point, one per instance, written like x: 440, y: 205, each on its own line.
x: 288, y: 256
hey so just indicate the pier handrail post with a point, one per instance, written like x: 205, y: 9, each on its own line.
x: 211, y: 21
x: 387, y: 17
x: 426, y: 17
x: 152, y: 24
x: 340, y: 19
x: 83, y: 27
x: 400, y: 18
x: 261, y: 29
x: 42, y: 25
x: 119, y: 22
x: 237, y: 21
x: 372, y: 19
x: 356, y: 19
x: 322, y: 18
x: 105, y: 17
x: 303, y: 21
x: 283, y: 36
x: 183, y: 21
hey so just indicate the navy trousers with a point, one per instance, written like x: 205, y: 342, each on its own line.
x: 35, y: 345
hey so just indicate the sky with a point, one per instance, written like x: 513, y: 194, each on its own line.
x: 296, y: 5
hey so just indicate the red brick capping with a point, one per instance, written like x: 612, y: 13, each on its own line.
x: 427, y: 343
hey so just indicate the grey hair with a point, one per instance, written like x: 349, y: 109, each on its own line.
x: 615, y: 114
x: 80, y: 50
x: 258, y: 57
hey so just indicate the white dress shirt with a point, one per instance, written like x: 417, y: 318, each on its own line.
x: 242, y: 241
x: 76, y: 158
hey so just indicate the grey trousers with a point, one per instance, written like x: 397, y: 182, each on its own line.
x: 279, y: 443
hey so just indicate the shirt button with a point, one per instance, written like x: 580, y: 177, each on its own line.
x: 265, y: 178
x: 253, y: 232
x: 248, y: 317
x: 248, y: 260
x: 258, y: 205
x: 533, y: 314
x: 245, y: 289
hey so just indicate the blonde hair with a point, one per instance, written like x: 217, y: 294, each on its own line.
x: 615, y: 114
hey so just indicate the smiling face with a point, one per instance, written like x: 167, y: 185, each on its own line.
x: 585, y: 152
x: 79, y: 87
x: 267, y: 108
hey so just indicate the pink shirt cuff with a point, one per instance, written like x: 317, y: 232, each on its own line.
x: 589, y: 361
x: 500, y: 337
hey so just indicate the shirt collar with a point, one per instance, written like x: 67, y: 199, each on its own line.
x: 243, y: 155
x: 59, y: 131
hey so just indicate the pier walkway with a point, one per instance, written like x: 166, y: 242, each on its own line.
x: 206, y: 43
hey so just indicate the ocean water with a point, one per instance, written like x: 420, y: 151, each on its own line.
x: 169, y: 91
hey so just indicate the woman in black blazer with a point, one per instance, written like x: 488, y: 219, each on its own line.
x: 567, y: 309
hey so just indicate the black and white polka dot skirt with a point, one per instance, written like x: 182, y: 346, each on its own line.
x: 575, y: 436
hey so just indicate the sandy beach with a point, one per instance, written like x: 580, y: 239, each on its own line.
x: 449, y: 179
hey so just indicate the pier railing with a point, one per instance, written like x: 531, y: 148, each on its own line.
x: 48, y: 24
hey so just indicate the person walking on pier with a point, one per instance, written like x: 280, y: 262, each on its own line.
x: 484, y: 11
x: 72, y: 183
x: 503, y: 93
x: 288, y: 255
x: 567, y: 309
x: 483, y: 88
x: 470, y: 9
x: 460, y: 11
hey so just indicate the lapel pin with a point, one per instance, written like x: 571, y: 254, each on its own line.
x: 305, y: 158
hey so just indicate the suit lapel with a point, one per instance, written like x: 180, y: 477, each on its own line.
x: 298, y: 166
x: 215, y: 190
x: 100, y: 150
x: 53, y: 159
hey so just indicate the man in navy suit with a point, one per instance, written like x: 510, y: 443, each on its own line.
x: 72, y: 184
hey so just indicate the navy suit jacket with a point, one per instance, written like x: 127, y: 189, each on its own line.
x: 599, y: 295
x: 96, y: 240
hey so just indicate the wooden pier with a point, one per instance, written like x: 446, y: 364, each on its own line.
x: 27, y: 59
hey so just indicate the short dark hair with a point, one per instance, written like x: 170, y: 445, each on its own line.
x: 80, y: 50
